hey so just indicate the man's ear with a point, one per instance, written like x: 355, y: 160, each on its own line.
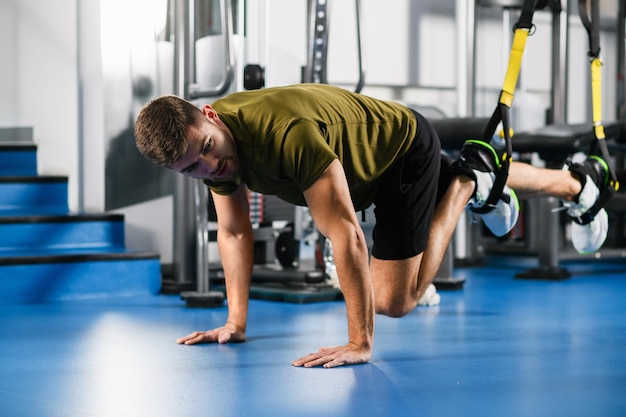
x: 209, y: 112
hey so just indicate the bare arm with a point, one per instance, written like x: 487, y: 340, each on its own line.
x: 333, y: 212
x: 235, y: 241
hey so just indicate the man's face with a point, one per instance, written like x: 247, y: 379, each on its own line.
x: 211, y: 153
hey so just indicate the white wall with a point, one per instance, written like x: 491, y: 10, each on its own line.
x: 9, y: 69
x: 38, y: 81
x: 91, y: 111
x: 412, y: 58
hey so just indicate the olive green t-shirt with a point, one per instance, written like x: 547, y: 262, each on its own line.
x: 287, y: 136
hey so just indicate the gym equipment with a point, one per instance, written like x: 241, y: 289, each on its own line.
x: 544, y: 235
x: 594, y: 139
x: 253, y: 77
x: 203, y: 296
x: 286, y: 266
x: 294, y: 275
x: 470, y: 245
x: 554, y: 143
x: 501, y: 113
x: 454, y: 132
x: 315, y: 71
x: 190, y: 254
x: 282, y: 256
x: 592, y: 24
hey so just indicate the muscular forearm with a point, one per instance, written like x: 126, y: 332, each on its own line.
x: 237, y: 258
x: 333, y: 212
x: 351, y: 261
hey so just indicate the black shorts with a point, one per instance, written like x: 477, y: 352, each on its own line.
x: 405, y: 199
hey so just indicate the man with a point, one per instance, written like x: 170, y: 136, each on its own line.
x: 339, y: 152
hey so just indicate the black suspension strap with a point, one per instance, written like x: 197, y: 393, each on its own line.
x: 598, y: 146
x: 523, y: 28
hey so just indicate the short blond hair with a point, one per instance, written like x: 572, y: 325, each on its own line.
x: 162, y: 126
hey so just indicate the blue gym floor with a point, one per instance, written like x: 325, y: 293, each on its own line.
x: 499, y: 347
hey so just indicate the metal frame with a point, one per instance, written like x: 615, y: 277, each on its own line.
x: 190, y: 256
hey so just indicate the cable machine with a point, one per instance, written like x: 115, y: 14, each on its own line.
x: 297, y: 273
x: 190, y: 254
x: 557, y: 140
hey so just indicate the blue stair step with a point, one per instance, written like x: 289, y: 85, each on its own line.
x: 18, y: 159
x: 42, y: 278
x: 33, y: 195
x: 48, y: 254
x: 47, y: 234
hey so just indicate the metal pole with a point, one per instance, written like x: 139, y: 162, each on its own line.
x: 550, y: 248
x: 560, y: 34
x: 184, y: 247
x: 188, y: 234
x: 466, y: 54
x: 202, y: 237
x: 464, y: 235
x: 361, y: 58
x: 548, y: 226
x: 194, y: 91
x: 621, y: 35
x: 203, y: 296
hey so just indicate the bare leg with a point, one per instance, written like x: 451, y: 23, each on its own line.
x: 529, y: 181
x: 398, y: 285
x: 447, y: 214
x: 395, y: 285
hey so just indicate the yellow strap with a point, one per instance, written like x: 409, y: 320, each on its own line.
x: 515, y: 63
x: 596, y: 103
x: 596, y: 97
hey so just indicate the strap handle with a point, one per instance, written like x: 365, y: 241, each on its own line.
x: 523, y: 28
x: 598, y: 146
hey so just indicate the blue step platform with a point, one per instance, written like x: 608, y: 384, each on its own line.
x: 48, y: 254
x: 34, y: 234
x: 28, y: 195
x: 18, y: 159
x: 78, y: 275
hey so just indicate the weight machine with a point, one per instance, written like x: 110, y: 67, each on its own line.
x: 292, y: 262
x: 296, y: 272
x: 544, y: 231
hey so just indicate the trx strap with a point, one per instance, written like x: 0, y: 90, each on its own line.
x: 598, y: 146
x: 523, y: 28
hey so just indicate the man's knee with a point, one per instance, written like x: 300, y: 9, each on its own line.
x: 395, y: 307
x: 395, y: 285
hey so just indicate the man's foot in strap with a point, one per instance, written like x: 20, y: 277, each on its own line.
x: 593, y: 175
x: 479, y: 162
